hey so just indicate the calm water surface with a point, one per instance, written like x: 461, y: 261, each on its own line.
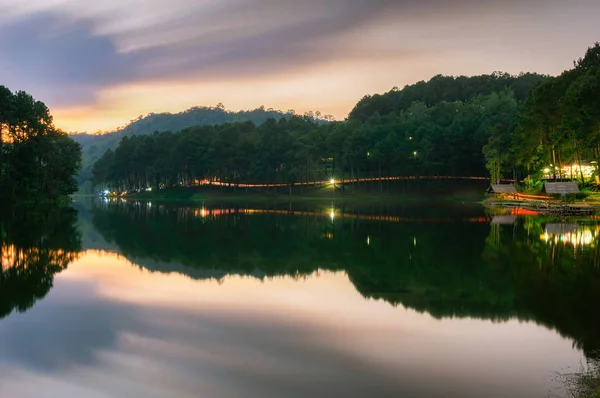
x: 146, y: 300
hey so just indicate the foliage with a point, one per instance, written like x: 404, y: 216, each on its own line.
x: 36, y: 159
x: 560, y: 121
x: 431, y: 135
x: 94, y: 145
x: 444, y: 89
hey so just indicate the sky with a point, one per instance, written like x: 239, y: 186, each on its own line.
x: 100, y: 64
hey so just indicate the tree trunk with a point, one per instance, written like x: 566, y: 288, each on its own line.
x: 553, y: 162
x: 579, y: 161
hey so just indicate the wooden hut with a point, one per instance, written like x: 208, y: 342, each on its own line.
x: 503, y: 190
x: 561, y: 188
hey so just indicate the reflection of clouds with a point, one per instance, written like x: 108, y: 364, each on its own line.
x: 108, y: 330
x: 72, y: 330
x: 146, y: 350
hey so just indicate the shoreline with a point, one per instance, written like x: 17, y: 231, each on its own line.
x: 174, y: 196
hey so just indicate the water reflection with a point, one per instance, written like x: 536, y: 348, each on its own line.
x: 375, y: 301
x: 445, y: 263
x: 35, y: 244
x: 575, y: 235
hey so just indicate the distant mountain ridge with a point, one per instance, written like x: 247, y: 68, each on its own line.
x: 94, y: 145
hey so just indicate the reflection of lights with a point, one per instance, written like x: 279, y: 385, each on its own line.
x: 148, y: 189
x: 415, y: 153
x: 368, y: 240
x: 581, y: 237
x: 415, y: 241
x: 332, y: 214
x: 149, y: 204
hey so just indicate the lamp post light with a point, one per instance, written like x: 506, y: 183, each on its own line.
x: 332, y: 183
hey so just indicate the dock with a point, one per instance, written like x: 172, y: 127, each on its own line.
x: 548, y: 207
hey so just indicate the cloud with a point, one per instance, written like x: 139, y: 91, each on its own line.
x: 69, y: 52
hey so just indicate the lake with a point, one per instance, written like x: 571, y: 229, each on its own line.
x: 139, y: 299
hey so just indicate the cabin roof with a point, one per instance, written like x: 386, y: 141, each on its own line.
x: 504, y: 219
x: 561, y: 188
x: 502, y: 188
x: 558, y: 229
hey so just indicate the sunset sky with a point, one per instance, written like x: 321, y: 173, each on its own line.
x: 98, y: 64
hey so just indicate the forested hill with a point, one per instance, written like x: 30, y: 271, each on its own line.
x: 432, y: 128
x: 444, y: 89
x: 94, y: 145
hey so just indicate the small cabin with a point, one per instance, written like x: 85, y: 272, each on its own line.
x: 502, y: 189
x: 561, y: 188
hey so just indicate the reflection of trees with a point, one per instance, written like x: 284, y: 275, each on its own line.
x: 35, y: 244
x: 554, y: 280
x: 446, y: 269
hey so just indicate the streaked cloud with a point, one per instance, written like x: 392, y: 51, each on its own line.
x: 72, y: 53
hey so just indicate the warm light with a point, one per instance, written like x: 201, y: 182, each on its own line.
x: 546, y: 170
x: 332, y: 214
x: 332, y: 181
x: 415, y: 153
x: 368, y: 241
x: 582, y: 237
x: 586, y: 170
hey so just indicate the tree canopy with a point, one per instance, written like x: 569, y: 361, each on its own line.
x: 37, y: 160
x: 559, y: 124
x: 432, y: 134
x: 94, y: 145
